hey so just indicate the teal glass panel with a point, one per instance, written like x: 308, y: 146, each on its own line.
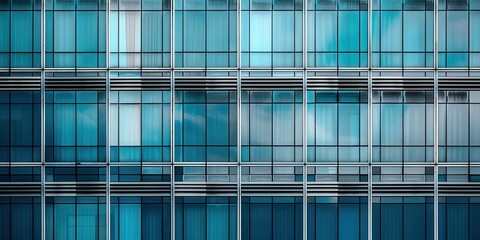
x: 140, y: 126
x: 75, y: 34
x: 75, y: 126
x: 205, y: 126
x: 271, y: 126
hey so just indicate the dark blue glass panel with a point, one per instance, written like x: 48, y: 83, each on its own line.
x: 75, y: 34
x: 271, y: 218
x: 337, y: 218
x: 140, y: 218
x: 20, y: 218
x: 403, y: 218
x: 205, y: 127
x: 205, y: 218
x: 19, y: 126
x: 75, y: 126
x: 271, y: 126
x: 75, y: 218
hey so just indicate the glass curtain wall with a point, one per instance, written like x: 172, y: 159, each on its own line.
x: 458, y: 34
x: 458, y: 117
x: 267, y: 218
x: 75, y: 218
x: 337, y: 218
x: 20, y: 218
x: 207, y: 218
x: 20, y: 126
x: 145, y: 218
x: 402, y: 126
x: 402, y: 33
x: 271, y: 33
x: 140, y: 126
x: 206, y: 126
x: 140, y: 33
x: 271, y: 126
x: 75, y: 34
x: 337, y: 126
x: 75, y: 126
x: 398, y: 218
x: 20, y: 28
x: 458, y: 218
x: 337, y: 33
x: 205, y: 33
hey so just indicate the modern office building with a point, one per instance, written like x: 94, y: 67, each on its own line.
x: 239, y: 119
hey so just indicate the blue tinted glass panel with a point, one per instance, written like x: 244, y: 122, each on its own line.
x: 205, y: 34
x: 335, y: 123
x: 402, y: 126
x: 271, y: 127
x: 271, y: 34
x: 337, y: 34
x: 140, y: 126
x: 206, y: 218
x: 75, y: 218
x: 271, y: 218
x: 205, y: 126
x: 75, y: 34
x: 75, y: 126
x: 19, y: 126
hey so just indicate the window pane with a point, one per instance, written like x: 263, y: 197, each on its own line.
x: 457, y: 30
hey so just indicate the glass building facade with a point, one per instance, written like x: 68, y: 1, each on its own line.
x: 240, y: 119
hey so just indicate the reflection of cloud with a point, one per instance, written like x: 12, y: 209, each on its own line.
x: 261, y: 126
x: 310, y: 122
x: 218, y: 112
x: 194, y: 118
x: 326, y: 24
x: 260, y: 30
x: 325, y: 125
x: 391, y: 31
x: 457, y: 32
x: 349, y: 124
x: 87, y: 115
x: 414, y: 124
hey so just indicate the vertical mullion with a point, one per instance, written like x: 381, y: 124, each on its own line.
x: 272, y: 11
x: 75, y: 53
x: 141, y: 64
x: 304, y: 120
x: 172, y: 149
x: 42, y: 120
x: 403, y: 64
x: 107, y: 118
x: 10, y: 38
x: 172, y: 120
x: 239, y: 122
x: 435, y: 122
x: 369, y: 120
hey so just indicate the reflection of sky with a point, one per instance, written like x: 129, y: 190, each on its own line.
x: 457, y: 31
x: 260, y: 31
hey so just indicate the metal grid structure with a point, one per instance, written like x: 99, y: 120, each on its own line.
x: 240, y: 79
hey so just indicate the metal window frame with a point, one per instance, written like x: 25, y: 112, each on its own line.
x: 305, y: 71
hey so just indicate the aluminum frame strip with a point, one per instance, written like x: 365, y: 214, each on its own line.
x: 42, y: 120
x: 239, y: 120
x: 435, y: 124
x: 304, y: 120
x: 369, y: 122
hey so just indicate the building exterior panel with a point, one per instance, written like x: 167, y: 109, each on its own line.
x: 239, y: 119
